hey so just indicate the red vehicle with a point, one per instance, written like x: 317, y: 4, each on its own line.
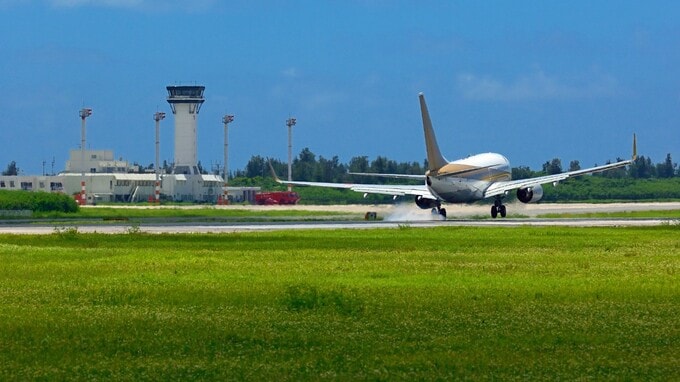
x: 278, y: 197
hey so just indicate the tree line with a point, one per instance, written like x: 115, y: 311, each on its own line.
x: 308, y: 167
x: 641, y: 168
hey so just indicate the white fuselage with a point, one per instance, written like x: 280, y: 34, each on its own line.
x: 465, y: 180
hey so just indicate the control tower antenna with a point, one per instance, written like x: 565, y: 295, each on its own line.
x: 185, y: 102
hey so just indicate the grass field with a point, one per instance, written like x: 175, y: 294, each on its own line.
x: 203, y: 213
x: 396, y: 304
x: 661, y: 214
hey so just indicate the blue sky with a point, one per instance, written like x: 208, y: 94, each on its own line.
x: 531, y: 80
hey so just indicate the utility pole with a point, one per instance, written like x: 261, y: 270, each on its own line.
x: 290, y: 122
x: 158, y: 117
x: 227, y: 119
x: 84, y: 113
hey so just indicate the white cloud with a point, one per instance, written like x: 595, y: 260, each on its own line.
x: 537, y: 86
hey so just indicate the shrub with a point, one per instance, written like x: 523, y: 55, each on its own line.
x: 37, y: 201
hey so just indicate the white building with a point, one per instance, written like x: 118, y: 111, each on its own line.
x: 121, y: 187
x: 111, y: 180
x: 126, y: 187
x: 32, y: 183
x: 96, y: 161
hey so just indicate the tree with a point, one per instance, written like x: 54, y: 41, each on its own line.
x: 12, y: 169
x: 574, y: 165
x: 256, y: 167
x: 358, y: 164
x: 380, y: 165
x: 615, y: 173
x: 304, y: 165
x: 521, y: 172
x: 552, y: 167
x: 667, y: 168
x: 642, y: 168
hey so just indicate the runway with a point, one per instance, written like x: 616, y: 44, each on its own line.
x: 393, y: 217
x: 325, y: 225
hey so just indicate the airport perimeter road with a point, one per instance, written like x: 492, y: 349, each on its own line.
x: 253, y: 227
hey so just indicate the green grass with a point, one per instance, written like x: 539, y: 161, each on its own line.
x: 661, y: 214
x: 183, y: 214
x: 395, y: 304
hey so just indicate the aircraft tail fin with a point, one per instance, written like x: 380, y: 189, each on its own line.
x: 435, y: 160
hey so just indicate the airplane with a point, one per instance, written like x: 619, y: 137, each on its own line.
x: 467, y: 180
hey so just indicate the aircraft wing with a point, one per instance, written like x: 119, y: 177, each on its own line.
x: 396, y: 176
x: 499, y: 188
x: 383, y: 189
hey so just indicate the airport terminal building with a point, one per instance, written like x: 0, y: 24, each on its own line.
x: 108, y: 180
x: 105, y: 179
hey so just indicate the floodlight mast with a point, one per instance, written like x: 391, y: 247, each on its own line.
x: 290, y: 122
x: 227, y: 119
x: 84, y: 113
x: 158, y: 117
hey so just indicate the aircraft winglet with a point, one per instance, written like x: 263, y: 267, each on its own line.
x: 271, y: 169
x: 634, y: 147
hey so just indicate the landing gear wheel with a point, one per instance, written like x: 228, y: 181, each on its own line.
x: 442, y: 212
x: 498, y: 208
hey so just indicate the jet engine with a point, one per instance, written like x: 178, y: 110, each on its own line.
x: 426, y: 203
x: 530, y: 194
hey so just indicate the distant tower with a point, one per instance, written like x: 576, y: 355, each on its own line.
x: 185, y: 102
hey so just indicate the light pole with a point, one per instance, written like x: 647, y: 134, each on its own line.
x: 290, y: 122
x: 84, y: 113
x: 227, y: 119
x: 158, y: 117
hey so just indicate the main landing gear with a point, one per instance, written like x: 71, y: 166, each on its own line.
x: 498, y: 208
x: 439, y: 210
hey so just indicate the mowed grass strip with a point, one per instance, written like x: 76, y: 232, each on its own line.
x: 202, y: 213
x: 661, y: 214
x: 469, y: 303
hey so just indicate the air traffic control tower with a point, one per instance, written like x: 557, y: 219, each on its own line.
x: 185, y: 102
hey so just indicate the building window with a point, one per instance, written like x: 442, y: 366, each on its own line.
x: 2, y: 184
x: 42, y: 185
x: 11, y: 184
